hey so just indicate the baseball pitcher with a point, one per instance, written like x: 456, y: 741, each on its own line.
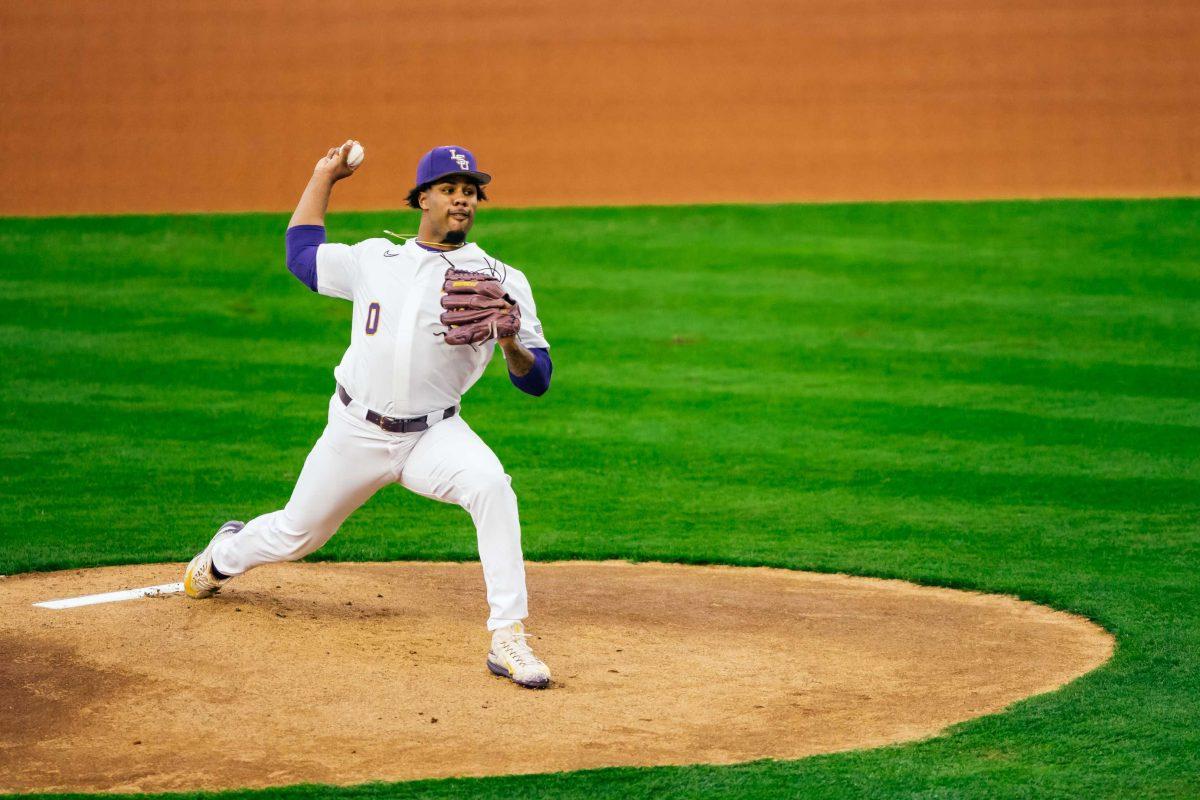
x: 427, y: 317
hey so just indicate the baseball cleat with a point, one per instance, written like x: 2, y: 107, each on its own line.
x: 510, y: 657
x: 198, y: 580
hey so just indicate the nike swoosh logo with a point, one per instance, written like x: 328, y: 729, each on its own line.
x: 390, y: 254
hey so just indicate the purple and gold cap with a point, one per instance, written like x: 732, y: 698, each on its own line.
x: 448, y: 160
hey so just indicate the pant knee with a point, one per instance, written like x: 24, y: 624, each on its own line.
x: 486, y: 484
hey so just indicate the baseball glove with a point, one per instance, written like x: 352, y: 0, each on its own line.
x: 477, y: 308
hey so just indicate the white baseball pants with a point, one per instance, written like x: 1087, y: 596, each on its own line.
x: 353, y: 459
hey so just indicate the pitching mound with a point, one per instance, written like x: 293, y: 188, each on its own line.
x: 344, y: 673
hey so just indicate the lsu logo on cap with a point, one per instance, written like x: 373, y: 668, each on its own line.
x: 460, y: 159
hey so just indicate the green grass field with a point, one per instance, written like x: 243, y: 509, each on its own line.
x: 998, y: 396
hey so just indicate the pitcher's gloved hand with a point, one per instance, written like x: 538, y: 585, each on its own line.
x: 477, y: 308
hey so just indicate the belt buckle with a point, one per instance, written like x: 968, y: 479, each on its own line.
x: 397, y: 424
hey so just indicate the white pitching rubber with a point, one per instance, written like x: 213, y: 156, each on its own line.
x: 113, y: 597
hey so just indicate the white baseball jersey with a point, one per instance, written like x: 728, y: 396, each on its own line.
x: 396, y: 364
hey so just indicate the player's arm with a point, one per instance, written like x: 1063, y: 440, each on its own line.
x: 528, y: 369
x: 306, y: 230
x: 315, y: 200
x: 529, y: 364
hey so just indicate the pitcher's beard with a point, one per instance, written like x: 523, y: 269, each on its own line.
x: 454, y: 237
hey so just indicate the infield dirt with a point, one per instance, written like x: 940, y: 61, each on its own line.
x: 217, y: 105
x: 344, y: 673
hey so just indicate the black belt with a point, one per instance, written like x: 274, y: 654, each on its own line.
x: 395, y: 424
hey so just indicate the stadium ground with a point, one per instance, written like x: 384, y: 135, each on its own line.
x: 995, y: 396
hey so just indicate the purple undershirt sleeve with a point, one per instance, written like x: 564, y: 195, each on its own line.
x: 302, y: 244
x: 537, y: 380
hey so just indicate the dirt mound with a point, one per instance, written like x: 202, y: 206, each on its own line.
x: 344, y: 673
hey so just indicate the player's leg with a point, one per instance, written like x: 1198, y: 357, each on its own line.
x: 452, y: 464
x: 346, y: 467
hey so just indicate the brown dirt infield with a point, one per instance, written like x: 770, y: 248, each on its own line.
x: 344, y: 673
x: 225, y: 105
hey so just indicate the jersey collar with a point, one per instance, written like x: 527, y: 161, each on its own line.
x: 462, y: 249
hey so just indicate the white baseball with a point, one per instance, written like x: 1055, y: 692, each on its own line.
x: 355, y: 157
